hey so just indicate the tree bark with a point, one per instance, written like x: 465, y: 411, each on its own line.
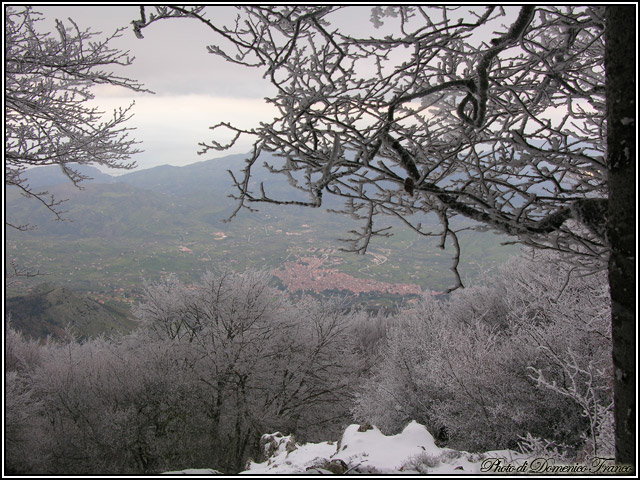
x: 620, y: 62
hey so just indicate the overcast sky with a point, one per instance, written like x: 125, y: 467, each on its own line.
x: 193, y: 89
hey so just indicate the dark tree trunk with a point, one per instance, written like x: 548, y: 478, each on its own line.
x: 620, y: 63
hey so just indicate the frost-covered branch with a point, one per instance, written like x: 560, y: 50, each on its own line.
x: 506, y: 130
x: 48, y: 80
x: 588, y: 386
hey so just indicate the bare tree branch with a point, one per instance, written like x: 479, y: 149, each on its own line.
x: 47, y: 120
x: 432, y: 118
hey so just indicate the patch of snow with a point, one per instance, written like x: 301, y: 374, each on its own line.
x: 295, y: 461
x: 194, y: 471
x: 385, y: 453
x: 365, y: 449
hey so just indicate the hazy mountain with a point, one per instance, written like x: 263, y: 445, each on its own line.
x: 52, y: 175
x: 209, y: 176
x: 109, y: 210
x: 158, y: 201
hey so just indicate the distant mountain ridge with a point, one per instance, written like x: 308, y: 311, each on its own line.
x: 209, y: 175
x: 176, y: 180
x: 148, y: 202
x: 52, y: 175
x: 145, y: 224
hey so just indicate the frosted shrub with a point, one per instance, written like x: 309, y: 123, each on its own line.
x: 23, y: 423
x: 527, y: 353
x: 585, y: 386
x: 20, y: 354
x: 262, y: 363
x: 537, y: 447
x: 422, y: 462
x: 110, y: 405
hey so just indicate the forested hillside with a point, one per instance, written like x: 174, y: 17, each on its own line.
x: 49, y: 311
x: 521, y: 362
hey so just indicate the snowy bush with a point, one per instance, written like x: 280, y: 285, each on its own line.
x: 20, y: 354
x: 111, y: 406
x: 263, y: 363
x: 422, y: 462
x: 214, y: 366
x: 528, y: 352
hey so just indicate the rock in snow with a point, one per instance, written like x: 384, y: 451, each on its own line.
x: 368, y: 450
x: 365, y: 449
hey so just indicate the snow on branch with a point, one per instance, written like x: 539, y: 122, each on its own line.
x: 496, y: 115
x: 48, y: 77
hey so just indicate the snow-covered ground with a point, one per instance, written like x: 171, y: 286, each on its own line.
x: 365, y: 449
x: 368, y: 450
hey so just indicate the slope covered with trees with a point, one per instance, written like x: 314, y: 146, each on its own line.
x: 50, y: 310
x: 520, y: 363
